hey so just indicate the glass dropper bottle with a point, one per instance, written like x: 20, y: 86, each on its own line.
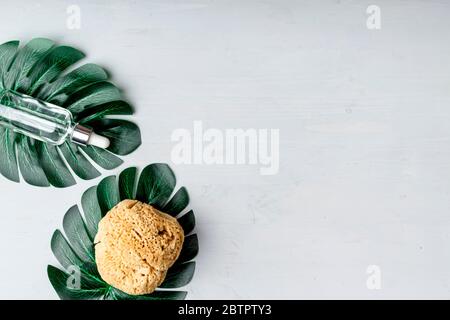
x: 44, y: 121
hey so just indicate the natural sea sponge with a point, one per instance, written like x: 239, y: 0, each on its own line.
x: 135, y: 245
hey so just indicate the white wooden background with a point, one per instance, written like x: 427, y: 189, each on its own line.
x: 364, y: 119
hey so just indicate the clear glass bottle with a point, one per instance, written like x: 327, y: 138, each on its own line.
x: 44, y: 121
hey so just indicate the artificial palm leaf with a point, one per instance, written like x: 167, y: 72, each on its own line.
x: 41, y: 69
x: 155, y: 185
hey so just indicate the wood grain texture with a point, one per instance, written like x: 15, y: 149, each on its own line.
x: 364, y: 153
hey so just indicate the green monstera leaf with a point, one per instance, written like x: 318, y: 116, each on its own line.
x: 42, y: 70
x: 75, y: 250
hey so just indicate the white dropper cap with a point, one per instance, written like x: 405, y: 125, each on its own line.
x: 98, y: 140
x: 83, y: 135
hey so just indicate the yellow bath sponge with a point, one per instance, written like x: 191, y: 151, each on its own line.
x: 135, y: 245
